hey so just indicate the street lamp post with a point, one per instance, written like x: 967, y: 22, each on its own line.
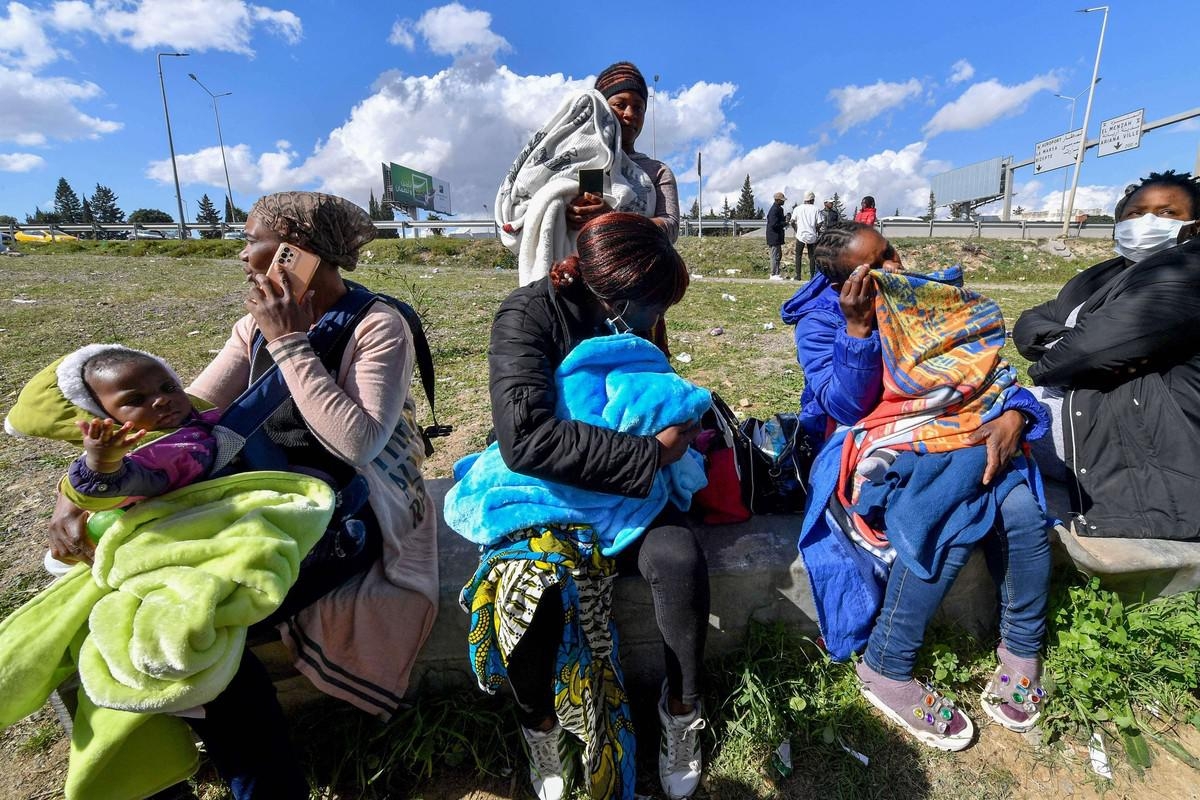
x: 1087, y: 116
x: 232, y: 214
x: 171, y: 142
x: 1062, y: 211
x: 654, y: 119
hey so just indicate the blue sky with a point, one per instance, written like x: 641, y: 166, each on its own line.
x: 864, y: 98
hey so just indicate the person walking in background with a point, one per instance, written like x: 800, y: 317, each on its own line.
x: 804, y: 221
x: 866, y: 214
x: 775, y: 235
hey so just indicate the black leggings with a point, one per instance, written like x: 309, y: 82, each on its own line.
x: 669, y: 557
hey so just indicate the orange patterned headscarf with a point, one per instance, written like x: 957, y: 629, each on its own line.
x: 330, y: 226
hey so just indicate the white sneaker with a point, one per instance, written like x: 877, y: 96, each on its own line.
x: 679, y: 762
x: 547, y: 772
x: 776, y: 277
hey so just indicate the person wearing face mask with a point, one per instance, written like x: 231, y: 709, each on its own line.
x: 1117, y: 353
x: 624, y: 278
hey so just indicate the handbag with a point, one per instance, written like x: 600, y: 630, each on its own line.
x: 767, y: 461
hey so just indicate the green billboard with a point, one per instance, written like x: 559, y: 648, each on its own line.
x: 408, y: 188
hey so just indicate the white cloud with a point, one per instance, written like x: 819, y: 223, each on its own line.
x: 985, y: 102
x: 20, y: 162
x: 434, y: 123
x: 402, y: 34
x: 47, y: 109
x: 23, y: 41
x: 897, y: 178
x: 454, y: 30
x: 961, y: 71
x: 193, y: 25
x: 858, y: 104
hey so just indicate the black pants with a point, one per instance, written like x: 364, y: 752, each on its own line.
x: 800, y: 248
x: 243, y: 729
x: 669, y: 557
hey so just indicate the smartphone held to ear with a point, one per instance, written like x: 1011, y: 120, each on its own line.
x: 300, y: 266
x: 591, y: 181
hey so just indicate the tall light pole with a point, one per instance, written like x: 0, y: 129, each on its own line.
x: 171, y: 142
x: 654, y: 119
x: 1062, y: 212
x: 232, y: 215
x: 1087, y: 116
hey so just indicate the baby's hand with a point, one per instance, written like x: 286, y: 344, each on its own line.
x: 105, y: 445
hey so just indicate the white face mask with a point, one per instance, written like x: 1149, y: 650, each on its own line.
x: 1143, y: 236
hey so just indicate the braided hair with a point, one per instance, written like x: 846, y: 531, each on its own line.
x: 621, y: 77
x: 623, y: 257
x: 1180, y: 180
x: 827, y: 251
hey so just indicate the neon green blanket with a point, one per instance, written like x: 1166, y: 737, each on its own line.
x: 159, y: 623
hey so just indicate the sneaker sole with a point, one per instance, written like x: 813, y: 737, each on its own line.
x: 951, y: 744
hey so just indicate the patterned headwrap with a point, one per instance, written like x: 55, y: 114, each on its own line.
x: 325, y: 224
x: 621, y: 77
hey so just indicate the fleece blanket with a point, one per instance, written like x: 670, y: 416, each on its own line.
x: 159, y: 622
x: 622, y: 383
x: 943, y: 378
x: 531, y: 204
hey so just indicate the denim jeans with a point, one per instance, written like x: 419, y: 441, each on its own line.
x: 1018, y: 556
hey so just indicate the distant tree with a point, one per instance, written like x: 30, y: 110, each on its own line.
x: 1106, y: 219
x: 66, y: 203
x: 145, y: 216
x: 897, y: 211
x: 931, y: 209
x: 39, y: 217
x: 726, y: 211
x: 758, y: 214
x: 383, y: 213
x: 711, y: 214
x: 207, y: 214
x: 88, y: 216
x: 695, y: 212
x: 7, y: 221
x: 960, y: 212
x: 233, y: 213
x: 435, y: 218
x: 839, y: 206
x: 745, y: 203
x: 1019, y: 211
x: 104, y: 205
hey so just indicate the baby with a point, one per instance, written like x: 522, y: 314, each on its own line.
x: 131, y: 393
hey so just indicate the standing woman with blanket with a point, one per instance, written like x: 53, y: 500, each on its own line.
x: 626, y: 276
x: 624, y: 87
x: 361, y: 606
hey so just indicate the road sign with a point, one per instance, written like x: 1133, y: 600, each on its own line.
x: 1121, y: 133
x: 1061, y: 151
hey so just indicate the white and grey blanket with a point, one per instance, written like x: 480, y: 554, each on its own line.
x: 531, y: 203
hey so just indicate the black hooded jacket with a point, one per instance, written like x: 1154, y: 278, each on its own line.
x: 775, y: 223
x: 532, y: 333
x: 1131, y: 368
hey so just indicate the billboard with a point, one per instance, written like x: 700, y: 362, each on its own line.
x: 407, y: 187
x: 972, y: 182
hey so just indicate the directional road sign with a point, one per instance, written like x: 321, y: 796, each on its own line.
x: 1121, y: 133
x: 1060, y: 151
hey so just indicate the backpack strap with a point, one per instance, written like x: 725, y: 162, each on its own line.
x: 424, y: 363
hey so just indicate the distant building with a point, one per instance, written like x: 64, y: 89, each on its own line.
x: 1055, y: 215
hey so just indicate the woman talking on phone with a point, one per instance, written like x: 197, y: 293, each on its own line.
x: 623, y: 85
x: 352, y: 419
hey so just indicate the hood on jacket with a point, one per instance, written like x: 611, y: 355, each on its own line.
x: 805, y: 300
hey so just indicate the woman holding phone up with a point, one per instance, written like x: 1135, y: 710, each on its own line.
x: 353, y: 420
x: 623, y: 85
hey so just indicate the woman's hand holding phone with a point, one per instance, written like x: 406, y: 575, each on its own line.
x: 278, y: 305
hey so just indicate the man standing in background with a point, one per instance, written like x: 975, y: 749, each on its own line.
x: 775, y: 235
x: 804, y: 220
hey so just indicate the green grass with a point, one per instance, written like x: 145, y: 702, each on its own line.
x: 165, y: 297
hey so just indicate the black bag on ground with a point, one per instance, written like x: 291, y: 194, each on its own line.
x: 772, y: 458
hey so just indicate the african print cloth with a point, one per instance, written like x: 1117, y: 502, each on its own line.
x: 589, y: 692
x: 943, y: 375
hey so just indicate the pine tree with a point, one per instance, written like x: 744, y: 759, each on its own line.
x: 383, y: 213
x: 839, y: 206
x: 233, y: 213
x: 39, y: 217
x: 931, y: 210
x: 758, y: 214
x: 66, y: 203
x: 745, y: 203
x: 897, y: 211
x: 207, y: 214
x: 104, y: 205
x: 88, y: 217
x: 726, y: 211
x: 695, y: 212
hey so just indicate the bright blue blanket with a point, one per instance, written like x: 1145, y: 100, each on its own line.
x: 623, y: 383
